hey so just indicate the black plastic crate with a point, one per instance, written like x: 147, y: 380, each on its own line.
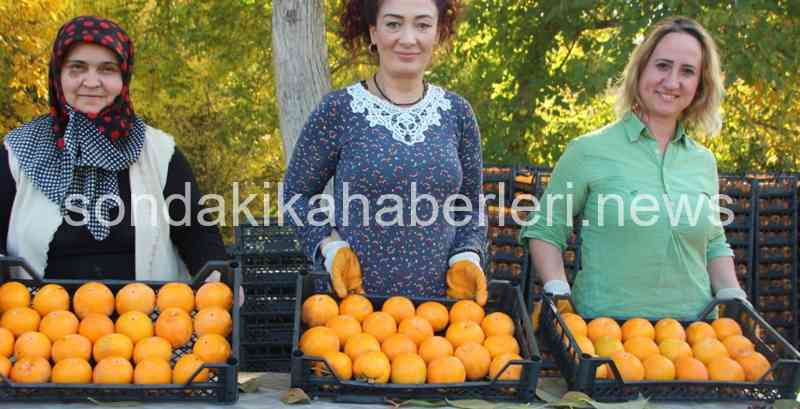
x: 579, y: 369
x: 502, y: 297
x: 267, y: 357
x: 275, y: 238
x: 221, y: 387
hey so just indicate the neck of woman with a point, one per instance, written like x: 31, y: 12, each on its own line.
x: 399, y: 89
x: 662, y: 129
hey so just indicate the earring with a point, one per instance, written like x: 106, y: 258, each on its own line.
x: 373, y: 48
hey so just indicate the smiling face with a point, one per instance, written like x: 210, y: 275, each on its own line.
x: 405, y: 33
x: 90, y: 78
x: 669, y: 81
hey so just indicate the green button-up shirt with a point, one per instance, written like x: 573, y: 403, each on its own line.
x: 650, y: 221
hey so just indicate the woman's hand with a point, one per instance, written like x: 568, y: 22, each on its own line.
x: 343, y: 266
x: 465, y: 278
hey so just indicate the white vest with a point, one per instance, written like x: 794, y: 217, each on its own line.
x: 35, y: 219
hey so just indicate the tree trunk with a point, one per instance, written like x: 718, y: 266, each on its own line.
x: 300, y: 56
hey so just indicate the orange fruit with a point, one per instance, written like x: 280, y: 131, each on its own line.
x: 466, y: 310
x: 642, y: 347
x: 708, y: 349
x: 345, y: 326
x: 460, y: 332
x: 51, y: 297
x: 152, y: 371
x: 629, y: 366
x: 93, y: 297
x: 669, y: 328
x: 607, y: 345
x: 72, y: 346
x: 112, y: 345
x: 213, y: 320
x: 113, y: 370
x: 603, y: 326
x: 602, y: 372
x: 32, y: 344
x: 356, y: 306
x: 418, y: 329
x: 638, y: 327
x: 725, y: 369
x: 399, y: 308
x: 214, y: 294
x: 476, y: 359
x: 14, y: 294
x: 5, y: 366
x: 340, y: 363
x: 30, y: 370
x: 360, y: 344
x: 152, y: 347
x: 318, y: 341
x: 446, y: 369
x: 72, y: 370
x: 94, y: 326
x: 6, y: 342
x: 500, y: 344
x: 575, y: 324
x: 184, y: 368
x: 674, y: 348
x: 755, y: 365
x: 136, y: 297
x: 19, y: 320
x: 436, y: 314
x: 212, y: 349
x: 175, y: 295
x: 135, y: 325
x: 58, y: 324
x: 698, y: 331
x: 435, y: 347
x: 658, y: 368
x: 174, y: 325
x: 398, y: 344
x: 690, y: 369
x: 737, y: 345
x: 379, y: 324
x: 408, y: 368
x: 497, y: 323
x: 372, y: 367
x: 319, y: 309
x: 498, y: 366
x: 725, y: 327
x: 585, y: 344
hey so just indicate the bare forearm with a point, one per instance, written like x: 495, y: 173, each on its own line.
x: 547, y: 260
x: 722, y: 273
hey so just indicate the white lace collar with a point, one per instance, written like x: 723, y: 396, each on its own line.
x: 407, y: 124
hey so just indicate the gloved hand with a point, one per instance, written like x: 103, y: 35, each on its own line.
x: 465, y: 278
x: 559, y: 287
x: 731, y: 293
x: 342, y: 264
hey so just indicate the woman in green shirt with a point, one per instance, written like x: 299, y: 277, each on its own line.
x: 653, y: 243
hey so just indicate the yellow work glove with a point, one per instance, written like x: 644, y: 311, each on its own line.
x: 465, y: 279
x: 342, y: 264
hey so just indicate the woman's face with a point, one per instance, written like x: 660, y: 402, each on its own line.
x: 90, y: 78
x: 405, y: 33
x: 669, y: 81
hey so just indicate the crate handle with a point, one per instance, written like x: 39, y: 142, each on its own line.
x: 514, y: 362
x: 9, y: 261
x: 223, y: 266
x: 5, y: 380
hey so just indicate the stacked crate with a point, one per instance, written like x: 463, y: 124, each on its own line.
x: 508, y: 260
x: 775, y: 278
x: 269, y: 257
x: 738, y: 196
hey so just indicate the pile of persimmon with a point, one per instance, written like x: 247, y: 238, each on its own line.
x: 667, y: 351
x: 96, y: 336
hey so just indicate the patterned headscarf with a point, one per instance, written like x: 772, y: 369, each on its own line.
x: 69, y: 152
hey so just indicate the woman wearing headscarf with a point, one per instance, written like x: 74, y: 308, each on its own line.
x: 83, y: 189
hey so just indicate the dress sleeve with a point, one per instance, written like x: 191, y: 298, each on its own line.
x: 471, y: 231
x: 312, y: 164
x: 197, y: 242
x: 551, y: 222
x: 8, y: 191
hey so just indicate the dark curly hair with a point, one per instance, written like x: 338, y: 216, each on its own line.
x: 358, y: 15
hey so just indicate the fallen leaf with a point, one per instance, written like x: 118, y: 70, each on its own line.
x: 294, y: 396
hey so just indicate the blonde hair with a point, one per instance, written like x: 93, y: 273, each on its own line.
x: 704, y: 111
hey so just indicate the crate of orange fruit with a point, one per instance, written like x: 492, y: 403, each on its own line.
x: 729, y: 353
x: 371, y: 348
x: 146, y: 341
